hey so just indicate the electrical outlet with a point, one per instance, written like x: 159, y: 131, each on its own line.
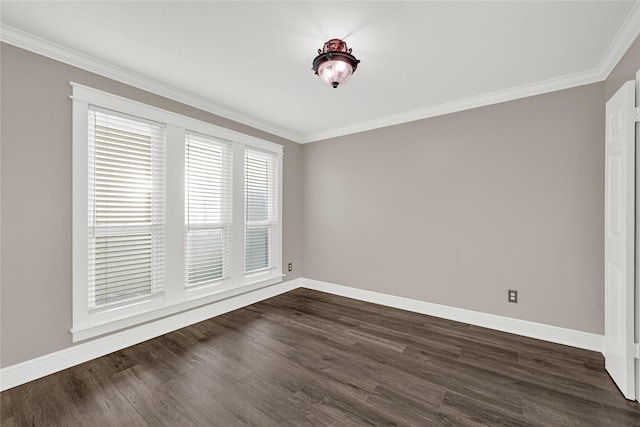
x: 290, y: 266
x: 512, y: 296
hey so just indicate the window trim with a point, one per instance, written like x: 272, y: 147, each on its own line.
x: 176, y: 297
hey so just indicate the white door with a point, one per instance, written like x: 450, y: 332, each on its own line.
x: 619, y: 244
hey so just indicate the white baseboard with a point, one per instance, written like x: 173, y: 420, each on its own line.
x: 39, y: 367
x: 525, y: 328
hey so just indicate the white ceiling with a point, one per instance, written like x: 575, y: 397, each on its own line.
x: 251, y: 61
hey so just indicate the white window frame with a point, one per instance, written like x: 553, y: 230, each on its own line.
x: 271, y: 222
x: 176, y: 297
x: 156, y: 223
x: 225, y: 225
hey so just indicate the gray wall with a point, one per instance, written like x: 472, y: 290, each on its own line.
x: 451, y: 210
x: 459, y: 208
x: 35, y: 306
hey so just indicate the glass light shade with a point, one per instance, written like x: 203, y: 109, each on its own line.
x: 335, y: 63
x: 335, y: 72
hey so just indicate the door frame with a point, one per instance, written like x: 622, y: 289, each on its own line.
x: 637, y: 245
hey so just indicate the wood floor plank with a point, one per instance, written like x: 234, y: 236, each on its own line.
x: 282, y: 406
x: 315, y: 359
x: 343, y: 408
x: 314, y: 355
x: 38, y: 403
x: 159, y: 406
x: 479, y: 412
x: 270, y: 358
x: 203, y: 357
x: 217, y: 403
x: 623, y: 414
x: 409, y: 409
x: 331, y: 356
x: 150, y: 355
x: 547, y: 413
x: 94, y: 397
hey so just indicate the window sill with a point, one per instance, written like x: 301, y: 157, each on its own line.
x: 85, y: 332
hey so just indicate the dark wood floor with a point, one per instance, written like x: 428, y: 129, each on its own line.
x: 309, y: 358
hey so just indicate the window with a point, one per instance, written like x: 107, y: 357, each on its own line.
x: 261, y: 210
x: 208, y: 213
x: 169, y: 213
x: 126, y: 208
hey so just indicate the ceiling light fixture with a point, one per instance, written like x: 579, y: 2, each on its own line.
x: 335, y: 63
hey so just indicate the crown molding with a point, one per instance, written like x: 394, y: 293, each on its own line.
x: 483, y: 100
x: 622, y: 42
x: 52, y: 50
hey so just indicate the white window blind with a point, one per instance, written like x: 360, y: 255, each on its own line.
x: 208, y: 213
x: 126, y: 208
x: 261, y: 203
